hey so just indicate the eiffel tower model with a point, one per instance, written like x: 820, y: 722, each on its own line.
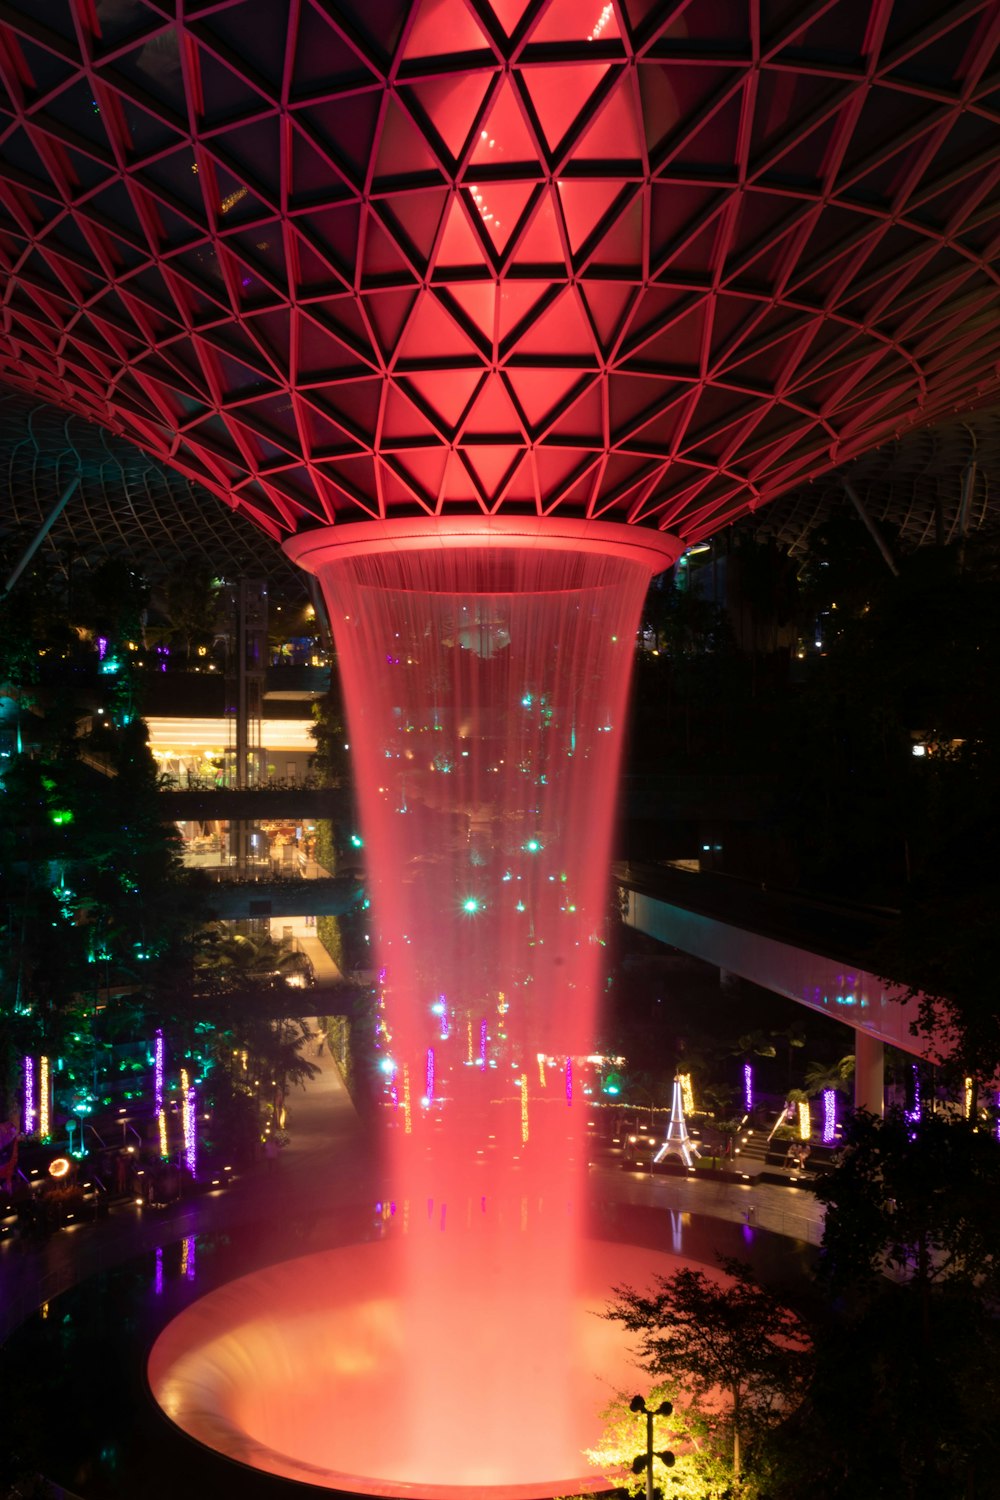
x: 678, y: 1142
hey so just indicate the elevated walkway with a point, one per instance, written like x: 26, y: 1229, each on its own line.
x: 812, y: 951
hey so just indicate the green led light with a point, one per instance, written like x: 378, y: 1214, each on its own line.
x: 472, y: 904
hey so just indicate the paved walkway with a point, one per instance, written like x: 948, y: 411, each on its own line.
x: 330, y: 1167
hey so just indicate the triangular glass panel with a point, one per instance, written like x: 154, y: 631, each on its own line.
x: 492, y: 411
x: 616, y: 134
x: 509, y: 13
x: 324, y: 61
x: 452, y: 104
x: 387, y: 312
x: 356, y: 478
x: 345, y: 127
x: 541, y: 392
x: 401, y: 146
x: 555, y: 468
x: 414, y: 219
x: 398, y: 489
x: 622, y: 246
x: 427, y: 466
x: 584, y: 422
x: 679, y: 346
x: 443, y: 26
x: 457, y: 484
x: 477, y: 300
x: 504, y: 137
x: 562, y: 329
x: 270, y: 332
x: 321, y: 353
x: 490, y: 463
x: 432, y: 335
x: 579, y: 497
x: 517, y: 301
x: 520, y: 488
x: 584, y: 204
x: 541, y: 244
x: 379, y: 22
x: 333, y: 234
x: 459, y: 245
x: 403, y: 424
x: 314, y: 175
x: 356, y: 404
x: 629, y: 396
x: 381, y: 256
x: 608, y: 303
x: 561, y: 95
x: 446, y: 393
x: 660, y: 434
x: 569, y: 21
x: 500, y: 206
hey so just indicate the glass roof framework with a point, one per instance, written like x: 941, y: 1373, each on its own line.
x: 127, y: 505
x: 655, y: 263
x: 915, y: 484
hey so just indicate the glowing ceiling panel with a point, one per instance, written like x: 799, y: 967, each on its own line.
x: 642, y: 262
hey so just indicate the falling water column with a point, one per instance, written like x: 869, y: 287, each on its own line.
x: 485, y: 664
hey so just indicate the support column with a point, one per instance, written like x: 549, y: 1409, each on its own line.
x: 869, y: 1073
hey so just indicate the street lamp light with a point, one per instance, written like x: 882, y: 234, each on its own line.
x: 645, y: 1460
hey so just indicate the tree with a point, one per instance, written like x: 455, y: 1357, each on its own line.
x: 918, y: 1199
x: 820, y: 1076
x: 710, y: 1335
x: 906, y: 1379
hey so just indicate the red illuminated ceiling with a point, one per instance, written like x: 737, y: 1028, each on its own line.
x: 637, y: 261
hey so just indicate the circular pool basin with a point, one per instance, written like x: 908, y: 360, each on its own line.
x: 310, y: 1370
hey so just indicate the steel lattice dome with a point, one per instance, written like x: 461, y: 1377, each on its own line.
x: 629, y: 261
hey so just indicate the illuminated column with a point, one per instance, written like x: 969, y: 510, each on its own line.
x: 161, y: 1114
x: 30, y: 1111
x: 44, y: 1095
x: 869, y: 1072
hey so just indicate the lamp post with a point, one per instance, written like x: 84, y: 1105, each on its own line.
x: 645, y: 1460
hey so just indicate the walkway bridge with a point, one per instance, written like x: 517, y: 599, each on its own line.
x: 808, y: 949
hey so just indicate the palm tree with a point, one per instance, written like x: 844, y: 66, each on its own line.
x: 823, y: 1076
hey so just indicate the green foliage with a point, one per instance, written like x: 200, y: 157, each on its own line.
x: 906, y: 1378
x: 709, y: 1335
x: 919, y: 1198
x: 700, y: 1470
x: 331, y: 758
x: 329, y: 934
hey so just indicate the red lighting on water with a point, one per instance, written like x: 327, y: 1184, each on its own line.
x: 299, y: 1369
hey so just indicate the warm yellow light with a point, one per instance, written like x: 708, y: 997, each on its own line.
x: 541, y: 1068
x: 805, y: 1121
x: 407, y: 1112
x: 43, y: 1098
x: 468, y: 1040
x: 687, y: 1093
x: 968, y: 1097
x: 524, y: 1106
x: 59, y: 1166
x: 162, y: 1122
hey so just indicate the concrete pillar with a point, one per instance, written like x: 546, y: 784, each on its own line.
x: 869, y: 1073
